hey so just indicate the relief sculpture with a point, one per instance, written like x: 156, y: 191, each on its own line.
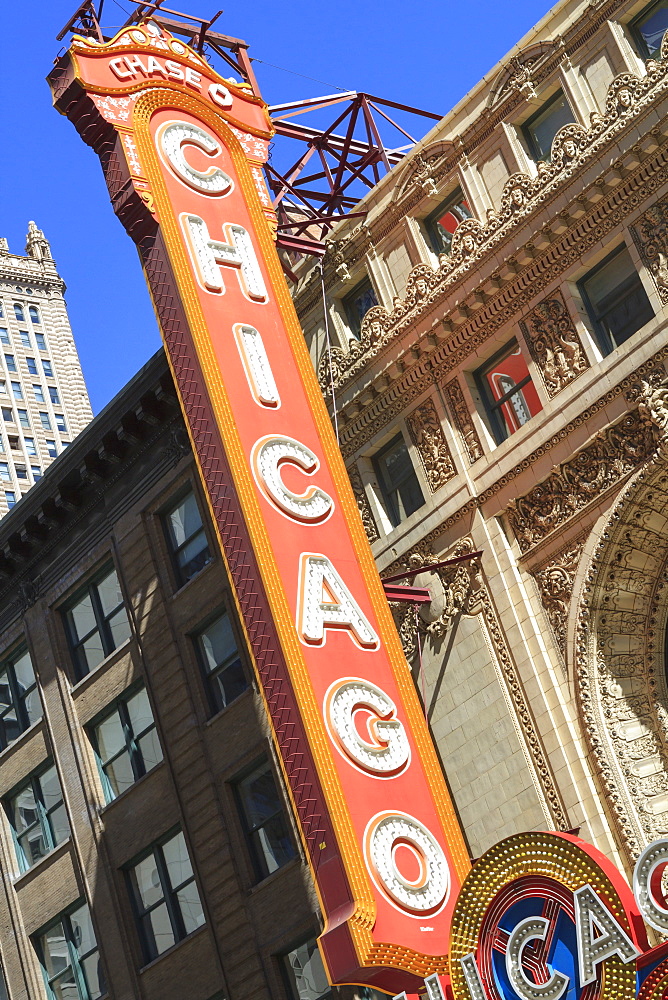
x: 554, y: 343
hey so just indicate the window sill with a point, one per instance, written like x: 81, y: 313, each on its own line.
x: 295, y: 862
x: 108, y: 805
x: 34, y: 870
x: 223, y: 711
x: 188, y: 937
x: 21, y: 740
x: 108, y: 661
x: 197, y: 576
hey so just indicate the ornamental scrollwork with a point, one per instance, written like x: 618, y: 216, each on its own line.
x: 463, y: 421
x: 555, y: 585
x: 426, y: 431
x: 614, y: 452
x: 572, y: 147
x: 362, y: 503
x: 554, y: 343
x: 651, y: 237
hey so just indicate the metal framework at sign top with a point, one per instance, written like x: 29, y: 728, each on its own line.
x: 335, y: 164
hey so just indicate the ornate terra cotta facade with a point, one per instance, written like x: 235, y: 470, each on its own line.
x: 520, y: 382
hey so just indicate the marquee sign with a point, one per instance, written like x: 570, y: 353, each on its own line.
x: 182, y: 151
x: 545, y: 916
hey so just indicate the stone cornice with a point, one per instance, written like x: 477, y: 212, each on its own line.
x: 353, y: 243
x: 438, y: 356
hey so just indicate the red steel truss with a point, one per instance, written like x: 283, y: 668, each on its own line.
x: 344, y: 159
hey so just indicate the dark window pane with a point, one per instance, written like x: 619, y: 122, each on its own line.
x: 120, y: 773
x: 305, y: 973
x: 265, y: 821
x: 398, y: 482
x: 150, y: 749
x: 158, y: 928
x: 442, y: 223
x: 541, y: 129
x: 187, y: 538
x: 616, y: 300
x: 357, y: 305
x: 649, y: 28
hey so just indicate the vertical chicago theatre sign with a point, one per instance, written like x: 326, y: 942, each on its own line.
x: 182, y: 151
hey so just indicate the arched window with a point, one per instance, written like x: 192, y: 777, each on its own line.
x: 34, y: 314
x: 18, y: 312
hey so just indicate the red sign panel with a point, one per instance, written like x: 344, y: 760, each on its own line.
x: 182, y: 151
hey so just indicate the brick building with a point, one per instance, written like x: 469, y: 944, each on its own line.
x: 43, y: 395
x: 146, y: 844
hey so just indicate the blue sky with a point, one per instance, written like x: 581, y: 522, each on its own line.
x: 423, y: 53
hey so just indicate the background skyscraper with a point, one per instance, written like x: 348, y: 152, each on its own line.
x: 43, y: 398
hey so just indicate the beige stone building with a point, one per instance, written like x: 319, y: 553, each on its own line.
x: 43, y: 398
x: 497, y: 365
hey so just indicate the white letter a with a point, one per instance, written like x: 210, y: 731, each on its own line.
x: 325, y: 602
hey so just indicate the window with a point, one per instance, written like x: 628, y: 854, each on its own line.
x: 164, y: 893
x: 60, y: 423
x: 13, y: 442
x: 34, y: 314
x: 40, y: 341
x: 53, y: 393
x: 10, y: 362
x: 39, y: 393
x: 2, y: 311
x: 222, y: 665
x: 541, y: 128
x: 126, y: 743
x: 46, y: 365
x: 357, y: 304
x: 30, y: 446
x: 18, y: 312
x: 32, y: 366
x: 70, y: 958
x: 507, y: 391
x: 17, y: 391
x: 20, y: 704
x: 264, y: 821
x: 46, y: 423
x: 8, y: 414
x: 97, y: 623
x: 51, y: 449
x: 398, y: 483
x: 648, y: 28
x: 442, y: 223
x: 38, y: 818
x: 4, y: 336
x: 3, y: 387
x: 4, y: 472
x: 23, y: 418
x: 25, y: 339
x: 21, y: 472
x: 10, y: 500
x: 187, y: 539
x: 304, y: 972
x: 615, y: 299
x: 36, y: 472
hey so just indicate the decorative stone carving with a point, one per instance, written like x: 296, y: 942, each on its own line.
x: 620, y: 660
x: 362, y: 503
x: 650, y: 235
x: 463, y: 420
x: 609, y: 457
x: 555, y: 584
x: 554, y: 343
x: 466, y: 593
x: 178, y: 445
x: 572, y: 148
x: 653, y: 406
x: 28, y: 593
x: 427, y: 433
x: 422, y: 175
